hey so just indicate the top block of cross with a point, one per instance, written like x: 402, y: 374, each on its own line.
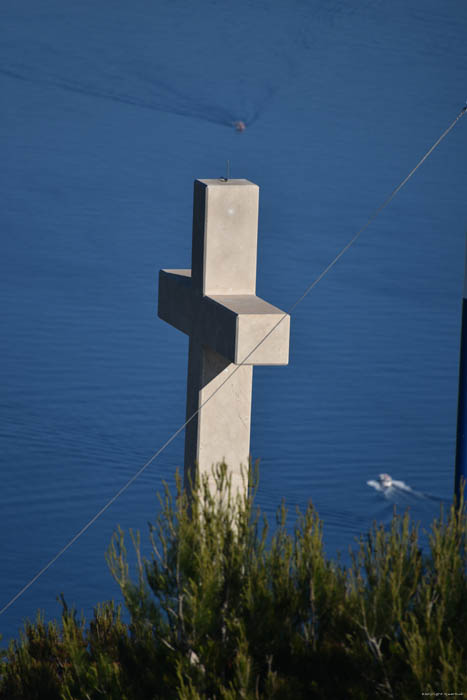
x: 225, y: 236
x: 216, y: 300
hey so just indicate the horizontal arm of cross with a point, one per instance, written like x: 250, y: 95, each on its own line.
x: 231, y: 325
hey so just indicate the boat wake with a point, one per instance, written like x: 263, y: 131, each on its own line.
x: 394, y: 488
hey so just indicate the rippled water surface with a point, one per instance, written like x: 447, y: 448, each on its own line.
x: 109, y: 112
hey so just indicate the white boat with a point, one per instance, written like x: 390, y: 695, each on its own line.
x: 385, y: 481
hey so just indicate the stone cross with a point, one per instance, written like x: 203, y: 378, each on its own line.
x: 216, y: 305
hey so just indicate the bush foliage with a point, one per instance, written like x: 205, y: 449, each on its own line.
x: 223, y: 609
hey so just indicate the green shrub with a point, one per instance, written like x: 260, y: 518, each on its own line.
x: 224, y: 609
x: 70, y: 661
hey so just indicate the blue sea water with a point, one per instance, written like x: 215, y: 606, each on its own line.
x: 109, y: 112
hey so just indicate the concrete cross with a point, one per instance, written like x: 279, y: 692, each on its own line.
x: 216, y: 305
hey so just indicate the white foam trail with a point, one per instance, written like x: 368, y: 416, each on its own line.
x: 375, y: 484
x: 403, y: 486
x: 396, y: 488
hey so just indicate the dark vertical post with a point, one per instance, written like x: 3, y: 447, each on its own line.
x: 461, y: 448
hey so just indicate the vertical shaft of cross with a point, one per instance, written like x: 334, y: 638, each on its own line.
x: 230, y: 328
x: 225, y: 230
x: 220, y: 432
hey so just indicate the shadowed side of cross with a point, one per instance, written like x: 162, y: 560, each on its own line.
x: 216, y: 305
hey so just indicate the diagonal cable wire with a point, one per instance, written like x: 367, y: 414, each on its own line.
x: 311, y: 286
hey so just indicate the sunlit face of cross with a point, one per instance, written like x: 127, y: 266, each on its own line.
x: 216, y: 305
